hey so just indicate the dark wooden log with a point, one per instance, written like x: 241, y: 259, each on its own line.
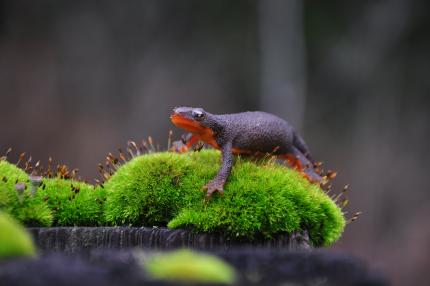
x: 83, y: 239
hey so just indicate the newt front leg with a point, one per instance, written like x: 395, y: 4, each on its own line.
x: 217, y: 183
x: 182, y: 147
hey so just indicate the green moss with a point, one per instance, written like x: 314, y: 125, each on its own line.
x: 72, y: 202
x: 28, y: 209
x: 151, y: 192
x: 260, y: 198
x: 166, y: 189
x: 188, y: 267
x: 14, y: 240
x: 57, y: 201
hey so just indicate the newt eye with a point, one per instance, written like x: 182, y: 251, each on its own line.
x: 198, y: 114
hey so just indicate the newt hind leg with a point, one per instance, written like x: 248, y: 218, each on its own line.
x: 298, y: 161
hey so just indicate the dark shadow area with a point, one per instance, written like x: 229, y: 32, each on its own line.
x: 254, y: 267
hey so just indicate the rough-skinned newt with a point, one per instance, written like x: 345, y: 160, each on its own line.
x: 248, y: 133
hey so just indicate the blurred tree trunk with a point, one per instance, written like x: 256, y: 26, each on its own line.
x: 283, y: 72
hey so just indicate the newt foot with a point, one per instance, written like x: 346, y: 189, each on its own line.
x: 212, y: 187
x: 178, y: 147
x: 311, y: 176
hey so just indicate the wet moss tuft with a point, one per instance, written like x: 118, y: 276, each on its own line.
x: 23, y: 206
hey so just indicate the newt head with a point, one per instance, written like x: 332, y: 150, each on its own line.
x: 202, y: 124
x: 190, y: 119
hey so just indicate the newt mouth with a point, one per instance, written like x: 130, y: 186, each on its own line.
x: 186, y: 123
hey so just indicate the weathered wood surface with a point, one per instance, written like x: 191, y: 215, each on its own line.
x: 82, y: 239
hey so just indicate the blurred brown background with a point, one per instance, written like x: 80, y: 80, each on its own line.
x: 80, y: 78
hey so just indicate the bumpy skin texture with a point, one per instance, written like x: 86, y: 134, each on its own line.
x: 249, y: 133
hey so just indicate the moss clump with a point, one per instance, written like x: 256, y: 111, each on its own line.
x: 152, y: 189
x: 188, y: 267
x: 260, y: 198
x: 73, y: 202
x: 14, y: 240
x: 26, y: 208
x: 58, y: 201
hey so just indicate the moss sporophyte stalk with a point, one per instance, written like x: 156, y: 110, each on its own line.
x: 261, y: 198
